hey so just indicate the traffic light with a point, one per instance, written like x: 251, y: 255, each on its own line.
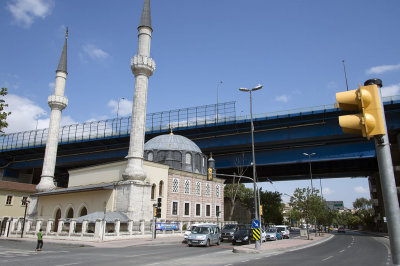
x: 158, y: 212
x: 369, y: 121
x: 210, y: 174
x: 159, y: 202
x: 155, y: 212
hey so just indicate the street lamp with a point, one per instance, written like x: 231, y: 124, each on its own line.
x: 219, y: 84
x: 259, y: 86
x: 312, y: 188
x: 25, y: 202
x: 116, y: 125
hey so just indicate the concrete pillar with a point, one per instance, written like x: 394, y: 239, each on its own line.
x: 130, y: 225
x: 181, y: 226
x: 19, y: 225
x: 84, y: 227
x: 38, y: 225
x: 50, y: 223
x: 117, y: 225
x: 6, y: 232
x: 142, y: 227
x: 60, y: 225
x: 28, y: 225
x: 72, y: 226
x: 98, y: 231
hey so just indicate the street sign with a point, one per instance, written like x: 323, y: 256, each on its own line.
x: 255, y: 223
x: 256, y: 234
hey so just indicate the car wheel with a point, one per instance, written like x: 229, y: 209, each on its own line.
x: 219, y: 242
x: 222, y: 240
x: 189, y: 245
x: 208, y: 243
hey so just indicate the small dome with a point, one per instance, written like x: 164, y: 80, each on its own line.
x: 171, y: 142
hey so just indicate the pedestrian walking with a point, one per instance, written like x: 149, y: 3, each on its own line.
x: 39, y: 240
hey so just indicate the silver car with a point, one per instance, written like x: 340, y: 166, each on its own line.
x: 204, y: 235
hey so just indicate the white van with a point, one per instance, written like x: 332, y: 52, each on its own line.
x: 190, y: 228
x: 284, y: 230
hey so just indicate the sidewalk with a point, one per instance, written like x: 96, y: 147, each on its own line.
x: 107, y: 244
x: 283, y: 245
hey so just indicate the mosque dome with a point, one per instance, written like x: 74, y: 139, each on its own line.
x: 176, y: 151
x: 171, y: 142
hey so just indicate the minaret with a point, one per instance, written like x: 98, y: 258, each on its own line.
x: 142, y: 66
x: 57, y: 103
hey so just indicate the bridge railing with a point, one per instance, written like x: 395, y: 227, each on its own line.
x: 112, y: 128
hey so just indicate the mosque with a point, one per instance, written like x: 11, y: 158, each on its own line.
x: 118, y: 199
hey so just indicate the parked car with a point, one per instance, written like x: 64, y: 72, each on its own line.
x: 228, y: 231
x: 284, y: 231
x: 204, y: 235
x: 272, y: 234
x: 341, y: 230
x: 190, y: 228
x: 242, y: 236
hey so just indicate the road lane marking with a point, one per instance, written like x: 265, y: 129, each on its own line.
x: 330, y: 257
x: 75, y: 263
x: 348, y: 246
x: 341, y: 250
x: 245, y: 261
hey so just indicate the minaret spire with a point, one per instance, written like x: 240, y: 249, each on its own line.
x: 57, y: 103
x: 142, y: 66
x: 62, y: 64
x: 145, y: 19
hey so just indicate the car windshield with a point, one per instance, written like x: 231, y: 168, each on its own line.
x: 229, y: 226
x: 243, y: 231
x: 271, y: 230
x: 200, y: 230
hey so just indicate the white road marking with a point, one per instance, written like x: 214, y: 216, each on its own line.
x: 74, y: 263
x: 330, y: 257
x: 348, y: 246
x: 341, y: 250
x: 245, y: 261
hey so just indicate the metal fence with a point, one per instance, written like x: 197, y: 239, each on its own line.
x: 111, y: 128
x: 155, y: 122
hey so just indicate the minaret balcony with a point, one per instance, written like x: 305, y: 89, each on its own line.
x: 57, y: 102
x: 142, y: 65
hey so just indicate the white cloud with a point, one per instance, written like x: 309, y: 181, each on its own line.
x: 282, y: 98
x: 26, y: 115
x: 382, y: 69
x: 125, y: 107
x: 26, y: 11
x: 391, y: 90
x: 94, y: 52
x: 361, y: 190
x: 327, y: 191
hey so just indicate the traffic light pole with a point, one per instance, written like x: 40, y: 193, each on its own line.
x: 388, y: 185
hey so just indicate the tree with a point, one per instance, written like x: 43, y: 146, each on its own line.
x: 235, y: 189
x: 364, y: 212
x: 271, y: 203
x: 3, y: 114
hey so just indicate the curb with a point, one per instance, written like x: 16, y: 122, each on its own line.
x: 276, y: 251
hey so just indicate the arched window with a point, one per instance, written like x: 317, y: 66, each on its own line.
x: 70, y: 213
x: 56, y: 220
x: 83, y: 212
x: 160, y: 188
x: 188, y: 158
x: 153, y: 191
x: 175, y: 185
x: 150, y: 156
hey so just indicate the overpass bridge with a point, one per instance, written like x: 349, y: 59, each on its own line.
x: 281, y: 138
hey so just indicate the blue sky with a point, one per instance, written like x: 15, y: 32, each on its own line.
x: 294, y: 48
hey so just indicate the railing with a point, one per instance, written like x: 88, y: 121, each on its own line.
x: 155, y: 122
x: 112, y: 128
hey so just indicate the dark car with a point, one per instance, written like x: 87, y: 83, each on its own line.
x: 228, y: 231
x: 341, y: 230
x: 242, y: 236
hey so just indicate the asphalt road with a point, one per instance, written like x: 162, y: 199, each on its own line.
x: 349, y: 249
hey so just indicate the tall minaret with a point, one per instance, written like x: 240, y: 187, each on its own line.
x: 142, y: 66
x: 57, y: 103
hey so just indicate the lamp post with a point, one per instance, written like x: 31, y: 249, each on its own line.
x: 116, y: 125
x: 312, y: 188
x: 219, y: 84
x: 24, y: 202
x: 258, y: 87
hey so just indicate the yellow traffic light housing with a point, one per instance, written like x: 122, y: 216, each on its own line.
x: 369, y: 122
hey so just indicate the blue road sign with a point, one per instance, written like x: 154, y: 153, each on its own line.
x: 255, y: 223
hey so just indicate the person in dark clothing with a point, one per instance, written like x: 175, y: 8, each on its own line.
x: 39, y: 240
